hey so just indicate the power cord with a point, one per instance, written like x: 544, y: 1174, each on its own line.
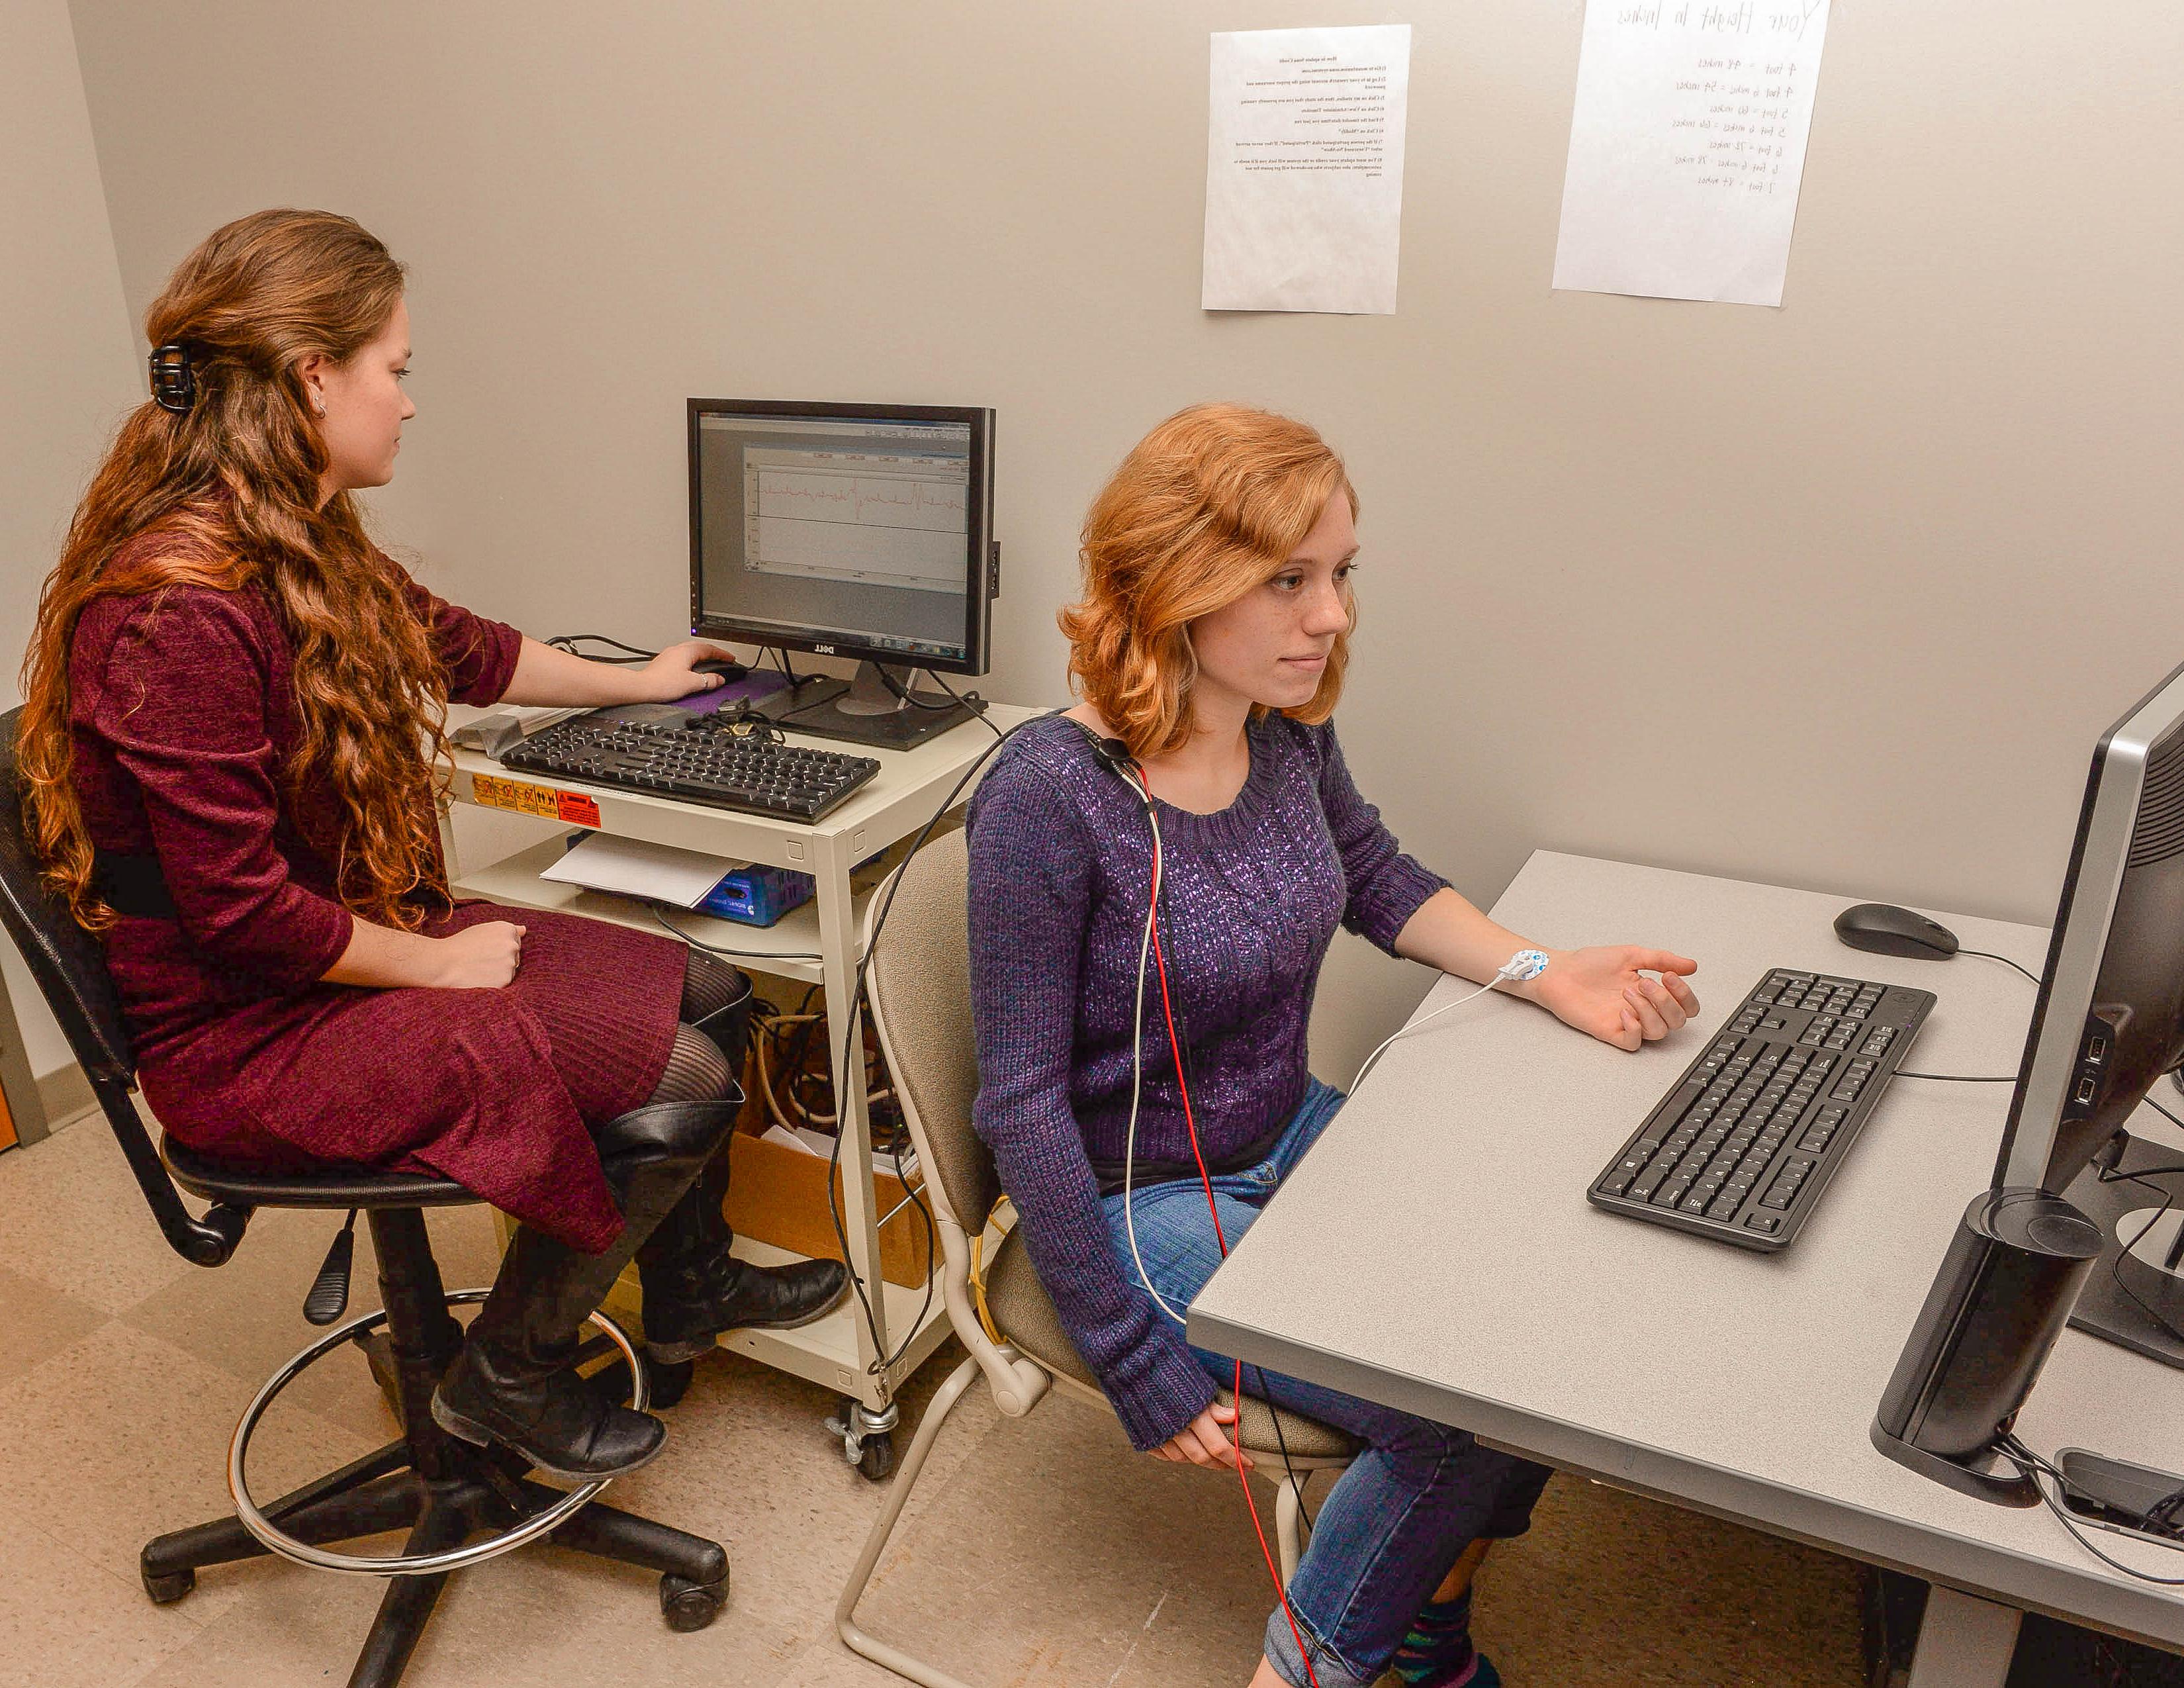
x: 2142, y: 1178
x: 905, y: 695
x: 2040, y: 1472
x: 970, y: 701
x: 2162, y: 1518
x: 841, y: 1077
x: 569, y: 641
x: 697, y: 942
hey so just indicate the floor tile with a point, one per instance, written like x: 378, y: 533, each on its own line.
x: 37, y: 1321
x: 1057, y: 1555
x: 123, y: 1437
x: 537, y: 1616
x: 1609, y: 1588
x: 75, y: 1219
x: 63, y: 1619
x: 748, y: 1463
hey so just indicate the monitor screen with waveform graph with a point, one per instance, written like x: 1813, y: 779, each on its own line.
x: 860, y: 530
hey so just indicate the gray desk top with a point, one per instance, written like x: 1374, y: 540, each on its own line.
x: 1436, y: 1252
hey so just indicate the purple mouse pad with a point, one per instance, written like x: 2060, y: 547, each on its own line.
x: 758, y: 683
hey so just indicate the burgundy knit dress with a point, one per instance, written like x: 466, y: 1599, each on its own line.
x: 183, y: 712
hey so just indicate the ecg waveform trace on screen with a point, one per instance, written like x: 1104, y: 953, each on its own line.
x: 807, y: 495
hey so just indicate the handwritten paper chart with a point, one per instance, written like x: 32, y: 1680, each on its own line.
x: 1687, y: 148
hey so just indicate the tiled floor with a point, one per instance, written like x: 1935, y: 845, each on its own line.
x: 1039, y: 1554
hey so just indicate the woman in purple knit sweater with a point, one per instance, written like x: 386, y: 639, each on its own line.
x: 1212, y: 641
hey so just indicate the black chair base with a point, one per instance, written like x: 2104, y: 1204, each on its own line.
x: 380, y: 1492
x: 439, y: 1488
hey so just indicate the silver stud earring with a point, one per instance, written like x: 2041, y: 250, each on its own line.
x: 318, y: 406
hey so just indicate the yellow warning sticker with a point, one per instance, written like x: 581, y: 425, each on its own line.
x: 495, y: 793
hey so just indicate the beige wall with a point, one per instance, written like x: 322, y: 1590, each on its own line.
x: 1838, y: 595
x: 64, y: 346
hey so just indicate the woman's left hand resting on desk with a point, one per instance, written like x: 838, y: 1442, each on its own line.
x: 1607, y: 991
x: 554, y: 678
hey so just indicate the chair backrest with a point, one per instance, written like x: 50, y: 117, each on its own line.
x: 64, y: 959
x: 919, y: 984
x: 69, y: 969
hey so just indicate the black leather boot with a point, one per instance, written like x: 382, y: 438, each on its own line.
x: 514, y: 1381
x: 695, y: 1289
x: 729, y: 1025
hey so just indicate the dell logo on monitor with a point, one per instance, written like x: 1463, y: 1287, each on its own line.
x: 824, y: 649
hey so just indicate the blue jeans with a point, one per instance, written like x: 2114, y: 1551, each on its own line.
x: 1411, y: 1503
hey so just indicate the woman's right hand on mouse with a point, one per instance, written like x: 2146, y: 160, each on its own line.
x: 483, y: 957
x: 670, y: 675
x: 1202, y: 1441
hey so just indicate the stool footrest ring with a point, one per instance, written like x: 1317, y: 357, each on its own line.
x: 277, y: 1540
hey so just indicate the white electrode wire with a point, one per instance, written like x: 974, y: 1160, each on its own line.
x: 1138, y: 1062
x: 1416, y: 1025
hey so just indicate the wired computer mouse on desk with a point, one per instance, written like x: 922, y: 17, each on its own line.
x: 1885, y: 929
x: 727, y: 667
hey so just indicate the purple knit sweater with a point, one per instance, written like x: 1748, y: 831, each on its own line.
x: 1060, y: 867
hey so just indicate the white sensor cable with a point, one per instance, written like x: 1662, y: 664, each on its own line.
x: 1525, y: 964
x: 1138, y: 1063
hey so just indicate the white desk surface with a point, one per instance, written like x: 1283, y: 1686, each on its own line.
x: 895, y: 803
x: 1435, y: 1252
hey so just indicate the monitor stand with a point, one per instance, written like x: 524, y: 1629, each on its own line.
x: 867, y: 709
x: 2136, y: 1299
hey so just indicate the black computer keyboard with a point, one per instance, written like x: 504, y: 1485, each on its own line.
x: 700, y: 759
x: 1742, y: 1147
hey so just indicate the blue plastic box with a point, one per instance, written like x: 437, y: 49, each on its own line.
x: 758, y: 896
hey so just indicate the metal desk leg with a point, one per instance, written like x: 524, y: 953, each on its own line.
x: 871, y: 1412
x: 1963, y: 1641
x: 450, y: 859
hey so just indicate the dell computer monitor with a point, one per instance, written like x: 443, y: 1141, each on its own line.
x: 860, y: 531
x: 2068, y: 1229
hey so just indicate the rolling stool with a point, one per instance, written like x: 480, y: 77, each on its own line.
x: 441, y: 1488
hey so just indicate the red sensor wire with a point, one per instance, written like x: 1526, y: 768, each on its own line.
x: 1205, y: 1178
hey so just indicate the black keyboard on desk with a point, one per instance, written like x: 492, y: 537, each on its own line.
x: 744, y: 768
x: 1742, y: 1148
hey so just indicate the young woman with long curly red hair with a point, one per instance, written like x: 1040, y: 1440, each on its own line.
x: 233, y: 711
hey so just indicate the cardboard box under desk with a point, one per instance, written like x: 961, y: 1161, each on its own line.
x: 779, y: 1195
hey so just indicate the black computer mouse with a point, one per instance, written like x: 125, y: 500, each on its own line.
x: 726, y: 667
x: 1886, y: 930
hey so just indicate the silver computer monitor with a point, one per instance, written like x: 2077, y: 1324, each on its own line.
x: 2108, y: 1025
x: 2073, y: 1227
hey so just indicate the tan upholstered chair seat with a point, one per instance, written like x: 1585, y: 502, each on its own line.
x: 1025, y: 1315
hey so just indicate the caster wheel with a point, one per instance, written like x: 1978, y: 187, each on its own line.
x: 167, y: 1590
x: 689, y: 1606
x: 876, y: 1461
x: 670, y: 1382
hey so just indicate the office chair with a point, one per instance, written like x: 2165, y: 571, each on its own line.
x: 919, y: 986
x: 441, y: 1489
